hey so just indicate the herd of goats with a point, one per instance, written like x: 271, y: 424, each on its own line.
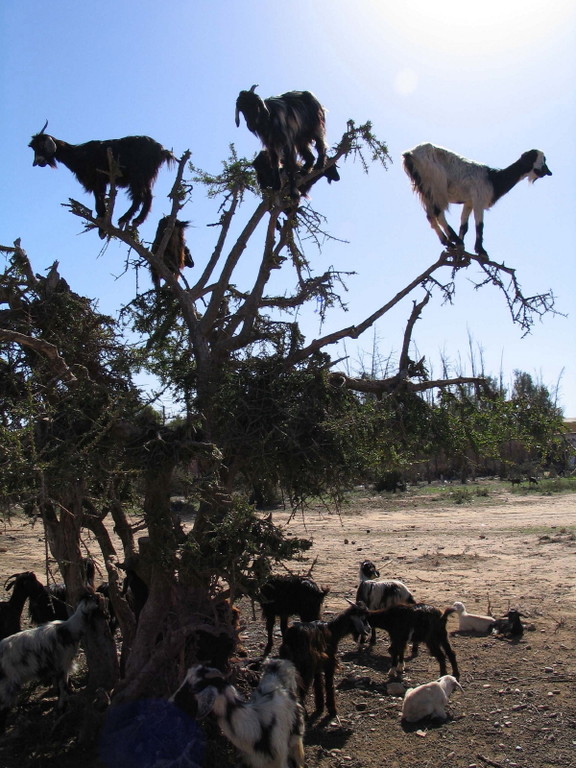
x: 268, y: 727
x: 288, y: 126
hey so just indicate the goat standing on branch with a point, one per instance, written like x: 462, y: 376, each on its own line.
x: 138, y: 157
x: 441, y: 177
x: 287, y: 125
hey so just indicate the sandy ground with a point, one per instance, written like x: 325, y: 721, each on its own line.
x: 518, y: 707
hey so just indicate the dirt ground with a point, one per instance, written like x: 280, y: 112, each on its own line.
x: 518, y: 707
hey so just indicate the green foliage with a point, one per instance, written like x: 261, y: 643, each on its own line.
x: 547, y: 486
x: 292, y: 427
x: 229, y: 549
x: 55, y: 435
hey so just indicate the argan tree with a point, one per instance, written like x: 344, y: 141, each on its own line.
x: 261, y: 404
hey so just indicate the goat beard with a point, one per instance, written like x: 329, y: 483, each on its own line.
x: 44, y: 162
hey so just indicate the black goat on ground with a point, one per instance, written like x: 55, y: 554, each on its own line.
x: 51, y: 603
x: 286, y: 125
x: 23, y: 586
x: 286, y: 596
x: 138, y: 157
x: 419, y: 623
x: 510, y: 625
x: 312, y: 647
x: 176, y: 254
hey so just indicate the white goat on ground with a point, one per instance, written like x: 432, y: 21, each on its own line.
x: 441, y: 177
x: 471, y: 622
x: 268, y: 729
x: 429, y: 700
x: 43, y: 653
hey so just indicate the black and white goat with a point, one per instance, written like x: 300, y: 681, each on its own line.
x: 268, y: 729
x: 44, y: 653
x: 22, y: 586
x: 419, y: 623
x: 176, y: 255
x: 286, y: 596
x: 441, y: 177
x: 313, y: 648
x: 138, y: 157
x: 287, y: 126
x: 379, y: 594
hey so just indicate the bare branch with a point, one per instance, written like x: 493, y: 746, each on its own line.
x: 523, y: 309
x: 397, y: 383
x: 354, y: 331
x: 44, y: 348
x: 416, y: 312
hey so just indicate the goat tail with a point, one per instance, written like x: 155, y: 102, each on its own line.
x: 414, y: 176
x: 168, y: 157
x: 447, y: 612
x: 428, y: 177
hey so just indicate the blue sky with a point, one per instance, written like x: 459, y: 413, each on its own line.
x: 488, y: 81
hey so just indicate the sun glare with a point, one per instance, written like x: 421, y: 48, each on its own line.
x: 490, y: 28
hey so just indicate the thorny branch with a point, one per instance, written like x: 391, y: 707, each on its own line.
x: 44, y: 348
x: 11, y: 297
x: 523, y: 309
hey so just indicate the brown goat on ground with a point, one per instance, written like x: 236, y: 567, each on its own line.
x: 313, y: 646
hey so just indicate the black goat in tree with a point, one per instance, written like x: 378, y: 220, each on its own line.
x: 287, y: 126
x: 138, y: 158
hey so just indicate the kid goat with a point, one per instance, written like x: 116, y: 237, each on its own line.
x: 287, y: 125
x: 138, y: 157
x: 268, y: 729
x: 313, y: 647
x: 441, y: 177
x: 429, y: 700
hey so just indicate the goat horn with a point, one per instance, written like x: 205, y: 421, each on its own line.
x: 252, y: 89
x: 45, y: 126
